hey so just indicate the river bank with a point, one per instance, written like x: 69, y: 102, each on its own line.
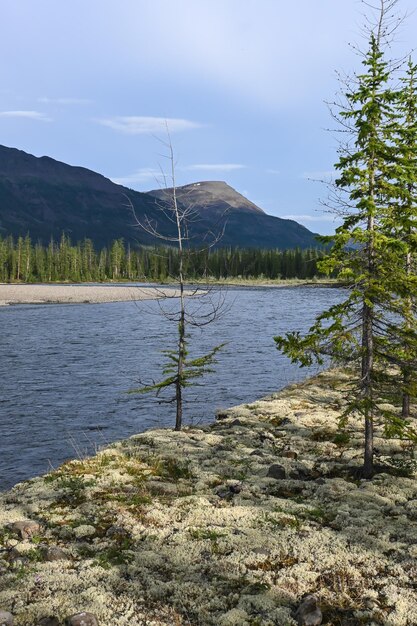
x: 75, y: 294
x: 228, y: 524
x: 49, y: 293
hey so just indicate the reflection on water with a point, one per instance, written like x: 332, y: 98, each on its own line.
x: 66, y: 369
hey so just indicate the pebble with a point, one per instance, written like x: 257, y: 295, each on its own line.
x: 117, y: 532
x: 82, y: 619
x: 289, y: 454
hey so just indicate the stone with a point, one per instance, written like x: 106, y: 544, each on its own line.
x: 289, y: 454
x: 26, y: 529
x: 276, y: 471
x: 16, y: 557
x: 6, y: 618
x: 223, y: 492
x: 50, y: 620
x: 53, y: 553
x: 300, y: 473
x: 82, y: 619
x: 309, y: 613
x: 66, y: 533
x: 117, y: 532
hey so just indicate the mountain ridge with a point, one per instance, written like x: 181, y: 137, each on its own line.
x: 211, y: 194
x: 45, y: 197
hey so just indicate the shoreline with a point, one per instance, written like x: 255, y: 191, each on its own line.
x: 228, y: 524
x: 45, y: 293
x: 85, y: 293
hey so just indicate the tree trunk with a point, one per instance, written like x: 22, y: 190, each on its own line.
x: 368, y: 348
x: 181, y: 356
x: 405, y: 411
x: 181, y: 325
x: 367, y: 367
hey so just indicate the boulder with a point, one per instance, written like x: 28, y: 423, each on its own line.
x: 6, y: 618
x: 276, y: 471
x: 26, y: 529
x: 308, y: 612
x: 50, y: 620
x: 53, y: 553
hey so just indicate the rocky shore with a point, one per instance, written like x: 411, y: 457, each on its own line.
x: 231, y: 524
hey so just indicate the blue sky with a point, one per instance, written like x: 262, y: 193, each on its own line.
x: 242, y: 83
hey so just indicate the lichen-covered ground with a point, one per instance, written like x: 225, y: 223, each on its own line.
x: 227, y: 525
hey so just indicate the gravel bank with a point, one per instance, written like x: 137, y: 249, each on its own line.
x: 67, y: 294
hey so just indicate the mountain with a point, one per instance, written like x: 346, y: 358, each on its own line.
x: 247, y: 226
x: 214, y: 197
x: 44, y: 197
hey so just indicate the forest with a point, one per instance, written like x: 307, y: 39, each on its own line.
x: 22, y: 260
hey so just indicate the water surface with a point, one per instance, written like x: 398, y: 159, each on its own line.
x: 65, y: 370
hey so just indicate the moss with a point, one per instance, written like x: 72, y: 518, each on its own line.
x: 120, y: 553
x: 206, y: 533
x: 341, y: 439
x: 267, y: 520
x: 172, y: 469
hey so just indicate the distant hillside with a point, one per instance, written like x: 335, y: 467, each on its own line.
x: 211, y: 198
x: 247, y: 225
x: 44, y: 197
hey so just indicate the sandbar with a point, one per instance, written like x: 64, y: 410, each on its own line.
x: 76, y: 294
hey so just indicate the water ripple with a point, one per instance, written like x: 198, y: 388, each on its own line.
x: 66, y: 370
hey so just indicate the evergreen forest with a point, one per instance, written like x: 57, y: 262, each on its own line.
x: 22, y: 260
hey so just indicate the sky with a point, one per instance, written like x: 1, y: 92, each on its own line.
x: 241, y: 84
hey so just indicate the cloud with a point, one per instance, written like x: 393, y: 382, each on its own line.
x: 238, y: 47
x: 138, y: 125
x: 273, y: 171
x: 142, y: 175
x: 325, y: 217
x: 214, y: 167
x: 30, y: 115
x: 46, y: 100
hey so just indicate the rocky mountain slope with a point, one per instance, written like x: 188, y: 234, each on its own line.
x: 44, y: 197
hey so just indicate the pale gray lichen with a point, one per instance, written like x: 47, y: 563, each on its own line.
x: 188, y: 528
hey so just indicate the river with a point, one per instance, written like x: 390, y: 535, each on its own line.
x: 66, y: 370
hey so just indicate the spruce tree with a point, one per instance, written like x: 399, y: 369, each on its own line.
x: 364, y: 253
x: 180, y: 370
x: 400, y: 223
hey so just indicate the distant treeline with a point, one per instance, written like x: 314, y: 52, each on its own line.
x: 23, y: 260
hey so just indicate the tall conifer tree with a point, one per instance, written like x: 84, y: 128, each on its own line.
x: 400, y: 223
x: 365, y: 252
